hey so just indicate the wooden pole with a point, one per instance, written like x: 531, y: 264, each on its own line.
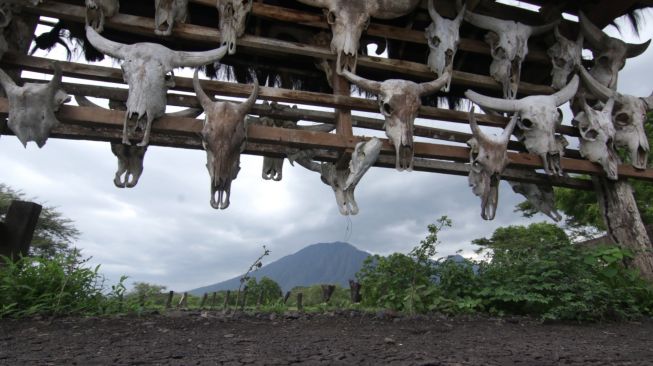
x: 213, y: 299
x: 226, y: 301
x: 206, y: 295
x: 624, y: 222
x: 171, y: 294
x: 18, y: 229
x: 300, y: 306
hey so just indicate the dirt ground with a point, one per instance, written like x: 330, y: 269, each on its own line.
x: 211, y: 338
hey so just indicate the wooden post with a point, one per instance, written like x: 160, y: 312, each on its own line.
x: 213, y: 299
x: 206, y: 295
x: 18, y: 229
x: 285, y: 298
x: 183, y: 302
x: 624, y: 222
x: 259, y: 301
x: 171, y: 294
x: 327, y: 292
x: 226, y: 301
x: 244, y: 300
x: 343, y: 115
x: 355, y: 291
x: 300, y: 306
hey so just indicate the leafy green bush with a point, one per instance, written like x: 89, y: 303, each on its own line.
x: 62, y: 285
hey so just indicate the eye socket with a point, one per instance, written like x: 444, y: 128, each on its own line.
x: 603, y: 61
x: 477, y: 167
x: 560, y: 62
x: 331, y: 17
x: 622, y: 120
x: 590, y: 134
x: 435, y: 41
x: 500, y: 52
x: 560, y: 115
x: 386, y: 109
x: 366, y: 24
x: 526, y: 124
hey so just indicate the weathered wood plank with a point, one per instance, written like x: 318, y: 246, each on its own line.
x: 210, y: 37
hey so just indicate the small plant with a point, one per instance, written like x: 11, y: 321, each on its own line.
x: 255, y: 266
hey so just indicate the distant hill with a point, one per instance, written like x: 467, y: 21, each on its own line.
x: 333, y: 263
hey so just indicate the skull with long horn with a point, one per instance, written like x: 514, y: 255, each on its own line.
x: 399, y: 103
x: 349, y: 18
x: 223, y: 138
x: 565, y: 57
x: 539, y: 116
x: 597, y: 137
x: 147, y: 68
x: 488, y: 157
x: 508, y: 42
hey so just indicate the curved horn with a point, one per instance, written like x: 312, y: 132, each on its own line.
x: 369, y: 85
x: 432, y: 12
x: 108, y: 47
x: 510, y: 127
x: 539, y: 29
x: 433, y: 86
x: 635, y: 49
x: 592, y: 33
x: 249, y: 103
x: 461, y: 15
x: 204, y: 99
x: 649, y: 102
x: 186, y: 113
x: 609, y: 106
x: 497, y: 104
x: 565, y: 94
x: 316, y: 3
x: 197, y: 59
x: 6, y: 18
x: 483, y: 21
x: 83, y: 101
x: 55, y: 82
x: 476, y: 131
x: 597, y: 89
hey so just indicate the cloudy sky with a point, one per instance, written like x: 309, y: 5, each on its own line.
x: 164, y: 231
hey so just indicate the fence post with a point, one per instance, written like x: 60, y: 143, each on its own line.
x: 213, y: 299
x: 355, y: 291
x: 203, y: 300
x: 226, y: 300
x: 285, y: 298
x: 183, y: 302
x: 171, y: 294
x: 327, y: 292
x: 300, y: 306
x: 18, y: 229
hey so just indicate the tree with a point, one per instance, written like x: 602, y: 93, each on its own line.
x: 271, y: 291
x: 54, y: 233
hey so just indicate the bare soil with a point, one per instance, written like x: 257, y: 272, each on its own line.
x: 344, y: 338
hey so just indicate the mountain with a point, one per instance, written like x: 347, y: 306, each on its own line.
x: 322, y: 263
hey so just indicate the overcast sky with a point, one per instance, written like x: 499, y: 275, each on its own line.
x: 164, y: 231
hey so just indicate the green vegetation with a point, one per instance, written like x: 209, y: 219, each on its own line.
x: 533, y: 270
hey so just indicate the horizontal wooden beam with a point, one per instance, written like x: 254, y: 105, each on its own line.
x: 210, y: 37
x: 109, y: 74
x: 310, y: 140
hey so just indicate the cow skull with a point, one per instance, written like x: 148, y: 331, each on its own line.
x: 610, y: 54
x: 597, y: 137
x: 399, y: 102
x: 629, y: 116
x: 147, y: 68
x: 508, y: 42
x: 349, y: 18
x: 98, y: 10
x: 488, y: 157
x: 540, y: 196
x: 343, y: 181
x: 538, y: 118
x: 233, y: 15
x: 6, y: 16
x: 223, y: 138
x: 443, y: 36
x: 167, y: 12
x: 565, y: 56
x: 32, y: 107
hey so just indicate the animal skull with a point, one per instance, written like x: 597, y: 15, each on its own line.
x: 629, y: 116
x: 147, y: 68
x: 98, y: 10
x: 167, y: 12
x: 6, y: 16
x: 508, y: 42
x: 538, y: 118
x: 343, y: 181
x: 223, y: 138
x: 349, y: 18
x: 597, y: 137
x: 540, y: 196
x: 130, y: 164
x: 233, y: 14
x: 443, y: 37
x: 399, y: 102
x: 610, y: 54
x: 565, y: 56
x: 32, y: 107
x: 488, y: 157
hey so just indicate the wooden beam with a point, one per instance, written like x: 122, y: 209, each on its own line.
x: 108, y: 74
x: 210, y: 37
x: 317, y: 140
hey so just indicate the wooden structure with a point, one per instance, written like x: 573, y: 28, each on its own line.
x: 445, y: 152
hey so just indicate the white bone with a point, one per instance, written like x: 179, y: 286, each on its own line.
x: 167, y: 13
x: 565, y: 57
x: 540, y: 196
x: 233, y: 15
x: 443, y: 37
x: 97, y: 11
